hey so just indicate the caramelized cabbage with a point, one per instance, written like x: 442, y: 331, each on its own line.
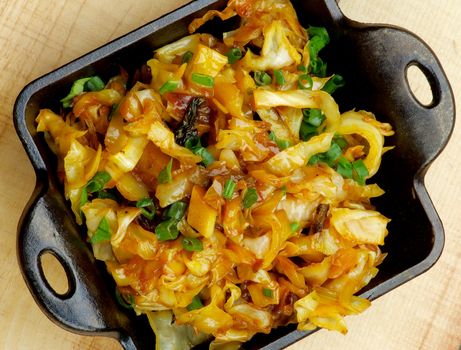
x: 221, y: 204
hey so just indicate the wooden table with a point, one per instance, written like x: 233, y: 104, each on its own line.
x: 37, y: 36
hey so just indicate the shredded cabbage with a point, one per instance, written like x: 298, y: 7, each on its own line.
x: 225, y: 205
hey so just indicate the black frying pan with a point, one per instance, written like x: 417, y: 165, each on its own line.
x: 372, y: 58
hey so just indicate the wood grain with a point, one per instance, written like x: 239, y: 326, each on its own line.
x: 37, y: 36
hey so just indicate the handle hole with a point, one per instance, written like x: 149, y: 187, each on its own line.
x: 419, y: 85
x: 54, y: 273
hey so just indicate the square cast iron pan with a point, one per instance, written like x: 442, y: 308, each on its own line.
x: 372, y: 58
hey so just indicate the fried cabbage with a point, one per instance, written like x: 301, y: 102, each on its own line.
x: 226, y: 193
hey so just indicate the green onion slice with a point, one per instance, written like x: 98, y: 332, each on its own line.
x: 229, y: 188
x: 344, y: 168
x: 294, y: 226
x: 203, y: 79
x: 165, y: 174
x: 306, y: 131
x: 360, y: 171
x: 147, y: 206
x: 194, y: 144
x: 176, y: 210
x: 305, y: 82
x: 313, y: 116
x: 234, y: 55
x: 268, y: 293
x: 192, y: 244
x: 83, y: 197
x: 169, y: 86
x: 94, y: 84
x: 102, y: 233
x: 195, y: 304
x: 76, y: 89
x: 335, y: 82
x: 279, y: 78
x: 340, y: 141
x: 262, y: 78
x: 302, y: 68
x: 250, y: 198
x: 333, y: 154
x: 97, y: 183
x: 187, y: 57
x: 167, y: 230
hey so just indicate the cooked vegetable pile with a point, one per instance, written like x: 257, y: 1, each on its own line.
x: 223, y: 189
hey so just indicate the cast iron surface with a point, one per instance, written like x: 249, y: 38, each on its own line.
x: 372, y: 58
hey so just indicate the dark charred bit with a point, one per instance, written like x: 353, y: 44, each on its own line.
x: 197, y: 111
x: 283, y: 312
x: 319, y: 218
x: 142, y: 75
x: 245, y: 292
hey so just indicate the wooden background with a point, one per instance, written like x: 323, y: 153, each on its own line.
x: 37, y: 36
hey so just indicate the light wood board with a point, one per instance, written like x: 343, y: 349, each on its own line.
x: 37, y: 36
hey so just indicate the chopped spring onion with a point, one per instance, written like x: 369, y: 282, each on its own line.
x: 83, y: 197
x: 97, y: 183
x: 187, y: 57
x: 279, y: 78
x: 169, y: 86
x: 344, y: 168
x: 102, y: 233
x: 314, y: 159
x: 305, y: 82
x: 335, y: 82
x: 192, y: 244
x: 77, y: 88
x: 294, y: 226
x: 107, y: 195
x: 341, y: 141
x: 313, y: 116
x: 95, y: 84
x: 147, y: 206
x: 234, y: 55
x: 207, y: 157
x: 360, y: 171
x: 306, y: 131
x: 176, y: 210
x: 167, y: 230
x: 282, y: 144
x: 203, y: 79
x: 194, y: 144
x: 332, y: 154
x: 318, y: 39
x: 284, y: 190
x: 165, y: 174
x: 268, y: 293
x: 195, y: 304
x: 262, y: 78
x: 250, y: 198
x: 302, y: 68
x: 229, y: 188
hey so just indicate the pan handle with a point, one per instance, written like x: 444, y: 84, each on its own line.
x: 386, y: 54
x: 47, y: 227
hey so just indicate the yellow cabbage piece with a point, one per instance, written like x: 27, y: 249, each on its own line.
x: 292, y: 158
x: 170, y: 336
x: 300, y: 99
x: 360, y: 226
x: 277, y: 51
x: 354, y: 123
